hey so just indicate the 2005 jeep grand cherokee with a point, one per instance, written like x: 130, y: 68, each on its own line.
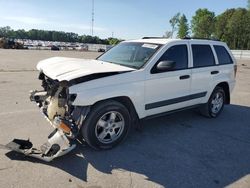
x: 100, y: 99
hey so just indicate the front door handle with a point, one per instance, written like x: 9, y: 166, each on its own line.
x: 215, y: 72
x: 184, y: 77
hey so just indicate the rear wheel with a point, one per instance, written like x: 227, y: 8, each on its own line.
x: 107, y: 125
x: 215, y: 104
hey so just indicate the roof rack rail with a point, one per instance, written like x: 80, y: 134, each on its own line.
x: 153, y: 37
x: 200, y: 38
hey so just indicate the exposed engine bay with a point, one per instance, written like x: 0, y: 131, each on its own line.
x: 55, y: 103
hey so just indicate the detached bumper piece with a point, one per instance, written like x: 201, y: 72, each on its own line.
x: 53, y: 103
x: 57, y: 145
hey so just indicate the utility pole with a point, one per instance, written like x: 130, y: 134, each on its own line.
x: 92, y: 20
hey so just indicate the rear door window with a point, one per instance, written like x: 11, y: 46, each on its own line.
x: 202, y: 56
x: 223, y: 55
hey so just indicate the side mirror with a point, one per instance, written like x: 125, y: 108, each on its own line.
x: 163, y: 66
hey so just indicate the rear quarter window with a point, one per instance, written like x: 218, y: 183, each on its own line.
x: 223, y: 55
x: 202, y: 55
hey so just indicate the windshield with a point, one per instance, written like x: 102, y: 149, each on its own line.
x: 130, y: 54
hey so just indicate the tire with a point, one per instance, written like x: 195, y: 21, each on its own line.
x: 210, y: 109
x: 107, y: 124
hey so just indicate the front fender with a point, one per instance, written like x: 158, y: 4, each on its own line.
x: 134, y: 91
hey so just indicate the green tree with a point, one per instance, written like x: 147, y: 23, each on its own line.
x: 183, y: 27
x: 203, y: 23
x: 168, y: 34
x: 113, y: 41
x: 248, y: 4
x: 61, y: 36
x: 233, y: 27
x: 5, y: 31
x: 173, y: 22
x: 238, y: 29
x: 221, y: 25
x: 21, y: 34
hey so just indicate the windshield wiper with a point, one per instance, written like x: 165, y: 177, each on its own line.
x: 124, y: 65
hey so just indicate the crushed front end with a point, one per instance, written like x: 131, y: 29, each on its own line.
x: 55, y: 103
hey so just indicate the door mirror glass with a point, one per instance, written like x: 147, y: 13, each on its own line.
x: 163, y: 66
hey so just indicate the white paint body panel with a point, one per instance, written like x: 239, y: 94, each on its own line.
x: 130, y: 84
x: 61, y: 68
x: 166, y: 85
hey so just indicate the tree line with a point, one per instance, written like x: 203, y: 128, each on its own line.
x: 232, y: 26
x: 60, y: 36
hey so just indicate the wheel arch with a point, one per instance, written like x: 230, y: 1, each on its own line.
x: 127, y: 102
x: 225, y: 87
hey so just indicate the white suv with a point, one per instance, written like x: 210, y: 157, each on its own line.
x: 103, y: 98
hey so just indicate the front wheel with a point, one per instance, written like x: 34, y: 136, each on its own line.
x: 215, y: 104
x: 107, y: 124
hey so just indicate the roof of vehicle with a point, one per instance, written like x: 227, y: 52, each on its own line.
x: 154, y: 40
x: 164, y: 41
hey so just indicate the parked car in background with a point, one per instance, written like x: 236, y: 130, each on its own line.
x: 55, y: 48
x: 101, y: 50
x: 82, y: 48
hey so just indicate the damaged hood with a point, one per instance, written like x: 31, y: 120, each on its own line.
x: 61, y: 68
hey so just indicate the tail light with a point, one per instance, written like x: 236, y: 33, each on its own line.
x: 235, y: 70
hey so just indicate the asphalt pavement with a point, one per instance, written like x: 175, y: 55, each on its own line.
x: 179, y: 150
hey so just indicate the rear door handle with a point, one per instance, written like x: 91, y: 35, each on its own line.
x: 215, y: 72
x: 184, y: 77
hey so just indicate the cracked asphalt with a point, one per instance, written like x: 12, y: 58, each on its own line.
x: 179, y: 150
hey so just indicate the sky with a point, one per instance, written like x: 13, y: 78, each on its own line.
x: 126, y: 19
